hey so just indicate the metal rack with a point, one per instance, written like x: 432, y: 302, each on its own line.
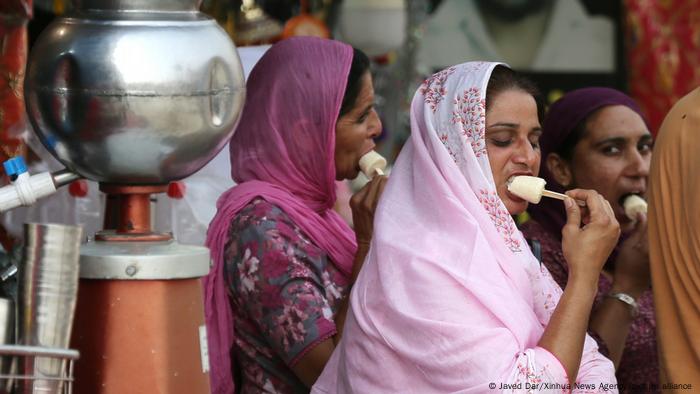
x: 20, y: 351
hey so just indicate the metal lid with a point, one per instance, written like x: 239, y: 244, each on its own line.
x: 143, y: 260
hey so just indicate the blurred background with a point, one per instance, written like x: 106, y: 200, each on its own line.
x: 650, y: 49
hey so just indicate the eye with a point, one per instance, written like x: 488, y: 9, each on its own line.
x: 500, y: 142
x: 645, y: 147
x: 610, y: 150
x: 535, y: 142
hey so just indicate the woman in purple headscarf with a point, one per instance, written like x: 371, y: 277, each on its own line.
x: 597, y: 138
x: 284, y: 261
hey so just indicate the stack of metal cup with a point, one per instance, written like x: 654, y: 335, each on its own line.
x: 47, y: 294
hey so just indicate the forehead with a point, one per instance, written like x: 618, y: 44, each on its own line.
x: 615, y: 121
x: 366, y: 87
x: 512, y: 105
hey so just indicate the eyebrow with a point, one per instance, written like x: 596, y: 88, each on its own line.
x: 504, y: 124
x: 512, y: 126
x: 613, y: 140
x: 367, y: 109
x: 622, y: 140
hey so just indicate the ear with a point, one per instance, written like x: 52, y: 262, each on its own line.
x: 560, y: 169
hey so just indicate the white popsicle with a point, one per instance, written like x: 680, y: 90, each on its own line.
x: 633, y: 205
x: 531, y: 189
x: 372, y: 163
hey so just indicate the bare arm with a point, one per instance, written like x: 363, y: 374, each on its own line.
x: 612, y: 319
x: 586, y: 250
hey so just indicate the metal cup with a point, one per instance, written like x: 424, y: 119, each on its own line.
x: 47, y: 293
x: 7, y: 331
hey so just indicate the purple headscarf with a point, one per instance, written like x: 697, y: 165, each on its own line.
x: 282, y: 151
x: 562, y: 119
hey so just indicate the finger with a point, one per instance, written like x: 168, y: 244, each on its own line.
x: 583, y: 195
x: 360, y: 196
x: 596, y: 204
x: 608, y: 207
x: 376, y: 187
x: 640, y: 227
x: 642, y: 235
x: 573, y: 215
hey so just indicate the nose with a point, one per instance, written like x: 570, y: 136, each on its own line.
x: 375, y: 125
x: 526, y: 154
x: 638, y: 164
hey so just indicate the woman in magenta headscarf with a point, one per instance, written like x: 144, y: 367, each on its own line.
x: 596, y: 138
x: 450, y: 298
x: 275, y: 299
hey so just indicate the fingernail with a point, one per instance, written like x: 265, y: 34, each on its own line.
x: 569, y: 202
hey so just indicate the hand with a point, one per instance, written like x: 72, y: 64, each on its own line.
x: 632, y: 275
x: 587, y: 248
x: 363, y: 204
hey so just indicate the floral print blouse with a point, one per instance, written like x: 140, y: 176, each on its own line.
x: 284, y: 294
x: 638, y: 371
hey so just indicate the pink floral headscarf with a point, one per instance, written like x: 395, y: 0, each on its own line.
x: 282, y: 151
x: 450, y: 298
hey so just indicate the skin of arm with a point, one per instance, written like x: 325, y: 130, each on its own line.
x: 612, y: 319
x: 586, y: 249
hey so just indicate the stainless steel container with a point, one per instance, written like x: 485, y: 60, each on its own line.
x: 134, y: 91
x: 7, y: 331
x: 47, y: 294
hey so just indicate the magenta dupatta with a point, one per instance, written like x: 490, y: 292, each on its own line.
x: 450, y: 298
x: 282, y: 151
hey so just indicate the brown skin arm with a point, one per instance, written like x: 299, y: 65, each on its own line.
x: 612, y: 319
x: 586, y: 249
x: 363, y: 204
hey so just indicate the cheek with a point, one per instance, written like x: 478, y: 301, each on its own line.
x: 536, y: 164
x: 601, y: 175
x: 498, y: 158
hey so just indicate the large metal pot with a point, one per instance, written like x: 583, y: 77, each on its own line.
x: 134, y: 91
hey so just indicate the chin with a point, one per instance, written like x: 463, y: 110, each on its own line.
x: 516, y: 208
x: 626, y: 225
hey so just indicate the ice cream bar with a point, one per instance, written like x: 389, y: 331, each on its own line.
x: 634, y: 205
x: 372, y: 163
x: 531, y: 189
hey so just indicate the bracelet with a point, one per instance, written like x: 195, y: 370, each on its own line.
x: 627, y: 299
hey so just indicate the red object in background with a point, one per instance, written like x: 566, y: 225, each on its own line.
x: 177, y: 190
x: 78, y: 189
x: 663, y: 53
x: 14, y: 15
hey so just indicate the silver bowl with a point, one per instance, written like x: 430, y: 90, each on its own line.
x: 134, y: 91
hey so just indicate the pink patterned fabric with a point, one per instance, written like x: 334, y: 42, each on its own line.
x: 282, y: 151
x: 450, y: 298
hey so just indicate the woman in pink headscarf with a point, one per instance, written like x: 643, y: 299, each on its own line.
x: 450, y: 298
x: 284, y: 261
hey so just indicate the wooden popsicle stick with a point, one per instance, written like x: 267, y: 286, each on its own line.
x: 559, y: 196
x: 379, y: 171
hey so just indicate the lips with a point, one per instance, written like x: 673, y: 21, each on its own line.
x: 621, y: 200
x: 510, y: 195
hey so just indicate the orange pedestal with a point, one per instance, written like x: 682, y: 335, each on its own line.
x: 139, y: 337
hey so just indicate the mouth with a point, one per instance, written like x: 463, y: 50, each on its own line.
x: 514, y: 198
x: 620, y: 207
x: 357, y: 162
x: 510, y: 195
x: 371, y: 148
x: 517, y: 173
x: 621, y: 200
